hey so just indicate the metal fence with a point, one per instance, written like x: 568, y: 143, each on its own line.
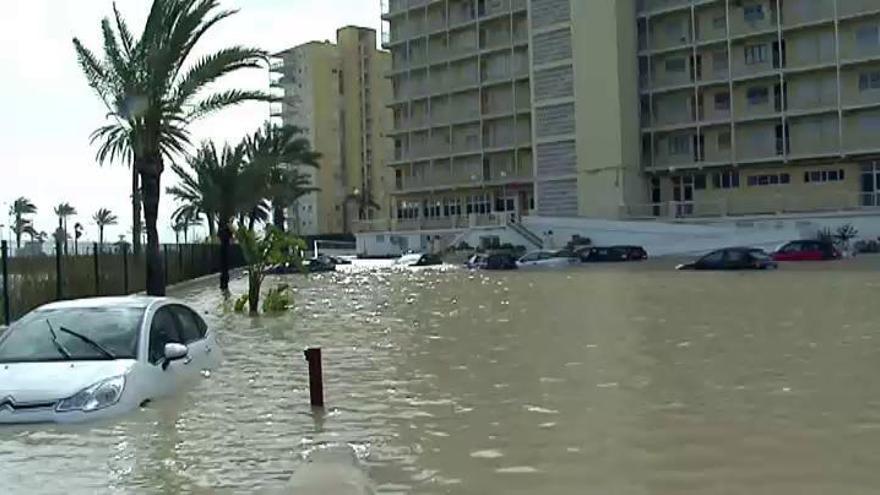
x: 33, y: 278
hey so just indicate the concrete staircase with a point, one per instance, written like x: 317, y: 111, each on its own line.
x: 526, y: 234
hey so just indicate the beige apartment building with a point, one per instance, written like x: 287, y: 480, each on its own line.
x: 633, y: 108
x: 338, y: 94
x: 759, y: 106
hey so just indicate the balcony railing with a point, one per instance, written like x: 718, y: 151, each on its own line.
x: 439, y: 223
x: 771, y: 204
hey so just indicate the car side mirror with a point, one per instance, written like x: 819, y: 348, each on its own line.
x: 174, y: 352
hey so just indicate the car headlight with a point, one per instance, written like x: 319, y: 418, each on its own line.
x: 98, y: 396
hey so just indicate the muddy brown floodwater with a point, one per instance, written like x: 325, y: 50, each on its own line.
x: 604, y: 379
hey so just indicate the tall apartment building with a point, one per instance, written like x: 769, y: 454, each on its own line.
x: 769, y: 106
x: 338, y: 94
x: 634, y: 108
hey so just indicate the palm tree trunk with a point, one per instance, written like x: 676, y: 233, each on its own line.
x: 101, y: 235
x: 225, y: 235
x: 278, y: 216
x: 17, y: 231
x: 211, y: 229
x: 66, y: 247
x: 135, y: 211
x: 150, y: 181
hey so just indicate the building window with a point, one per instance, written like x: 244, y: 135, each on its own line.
x: 869, y: 122
x: 869, y: 81
x: 753, y: 13
x: 722, y: 101
x: 433, y: 209
x: 823, y: 176
x: 452, y: 207
x: 868, y: 36
x: 719, y: 22
x: 719, y: 61
x: 679, y: 145
x: 758, y: 95
x: 676, y: 65
x: 674, y: 30
x: 699, y: 182
x: 724, y: 141
x: 726, y: 180
x: 756, y: 54
x: 407, y: 210
x: 769, y: 180
x: 479, y: 204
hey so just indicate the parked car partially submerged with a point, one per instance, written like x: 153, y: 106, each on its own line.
x: 741, y: 258
x: 494, y: 261
x: 547, y: 259
x: 806, y: 251
x: 92, y: 359
x: 419, y: 259
x: 612, y: 254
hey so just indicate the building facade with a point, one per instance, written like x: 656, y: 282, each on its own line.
x: 633, y: 108
x: 337, y: 93
x: 759, y: 106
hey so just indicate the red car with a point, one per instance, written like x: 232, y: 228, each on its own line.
x: 806, y: 251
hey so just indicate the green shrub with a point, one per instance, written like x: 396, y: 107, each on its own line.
x: 278, y: 300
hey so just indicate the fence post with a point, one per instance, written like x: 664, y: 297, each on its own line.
x: 7, y: 312
x: 125, y: 269
x: 59, y: 289
x: 165, y: 261
x: 316, y: 377
x: 180, y: 262
x: 97, y: 270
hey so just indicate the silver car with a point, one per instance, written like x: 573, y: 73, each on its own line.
x: 91, y: 359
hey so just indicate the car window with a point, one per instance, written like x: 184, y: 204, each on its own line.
x: 759, y: 255
x: 712, y: 258
x: 116, y: 329
x: 164, y: 330
x: 791, y: 247
x: 736, y: 256
x: 544, y: 256
x: 192, y: 328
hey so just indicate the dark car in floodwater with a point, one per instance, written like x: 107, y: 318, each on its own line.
x: 732, y: 259
x: 494, y: 261
x: 612, y: 254
x: 321, y: 264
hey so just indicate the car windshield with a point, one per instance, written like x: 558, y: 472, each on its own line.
x: 55, y: 334
x: 759, y: 254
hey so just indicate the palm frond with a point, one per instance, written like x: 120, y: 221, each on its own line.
x: 214, y: 66
x: 228, y: 98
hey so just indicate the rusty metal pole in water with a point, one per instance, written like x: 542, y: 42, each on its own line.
x: 316, y: 377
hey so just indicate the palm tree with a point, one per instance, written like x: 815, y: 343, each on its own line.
x: 230, y: 185
x: 20, y: 208
x: 283, y: 151
x: 151, y: 98
x: 63, y: 211
x: 182, y: 224
x: 103, y: 218
x: 195, y: 197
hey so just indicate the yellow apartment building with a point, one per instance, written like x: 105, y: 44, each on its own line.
x: 338, y: 94
x: 632, y: 108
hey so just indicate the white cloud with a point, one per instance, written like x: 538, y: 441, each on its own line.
x: 48, y: 111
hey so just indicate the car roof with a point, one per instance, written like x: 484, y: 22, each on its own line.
x: 134, y: 302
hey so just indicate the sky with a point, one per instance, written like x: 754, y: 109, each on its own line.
x: 47, y: 110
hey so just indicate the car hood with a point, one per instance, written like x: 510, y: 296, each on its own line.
x: 40, y: 382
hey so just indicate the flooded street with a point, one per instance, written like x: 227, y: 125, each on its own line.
x: 604, y: 379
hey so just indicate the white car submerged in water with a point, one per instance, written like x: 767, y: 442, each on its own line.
x: 91, y: 359
x: 547, y: 259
